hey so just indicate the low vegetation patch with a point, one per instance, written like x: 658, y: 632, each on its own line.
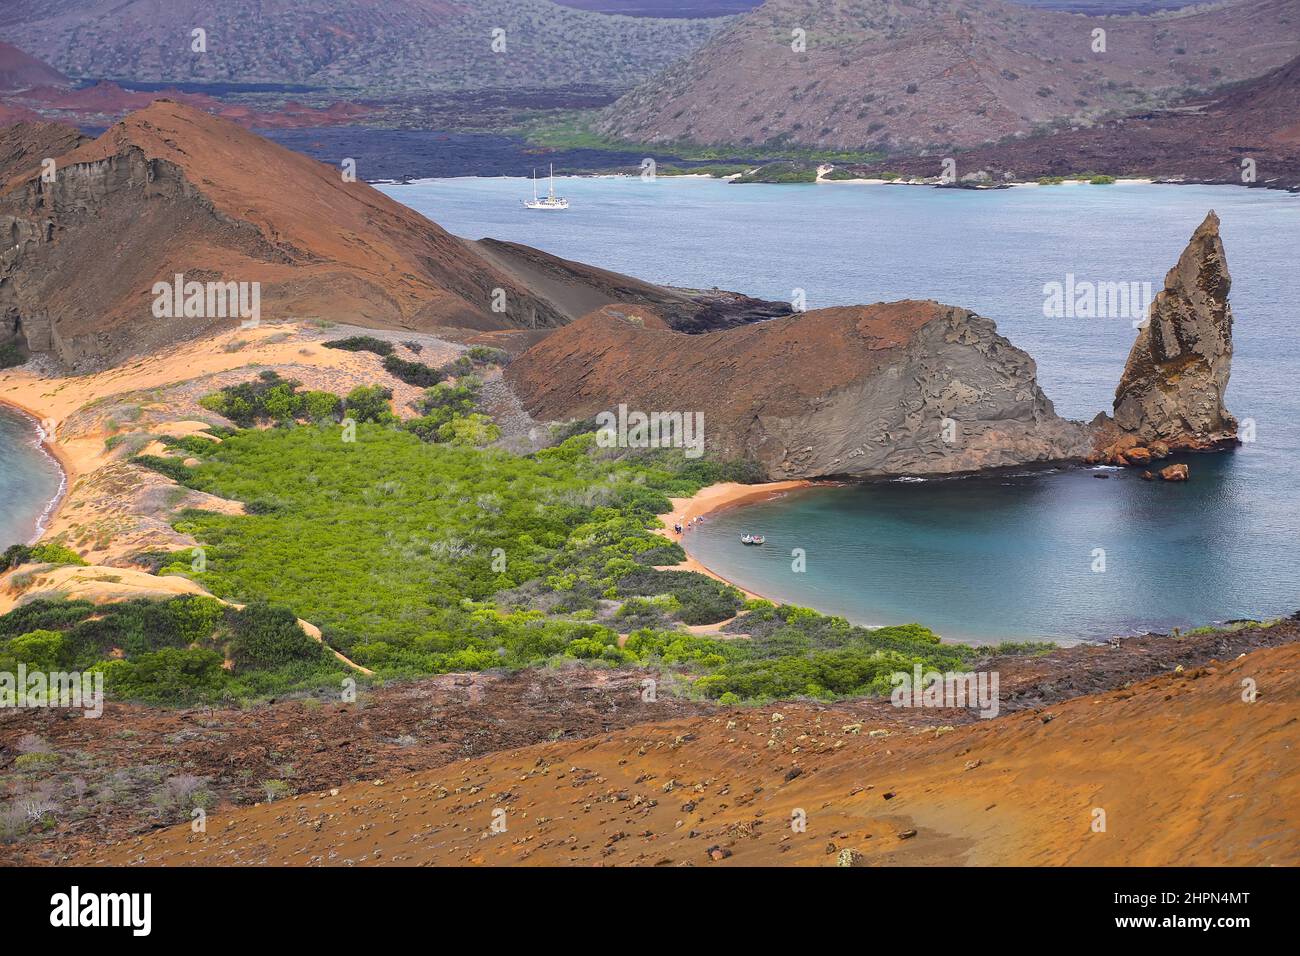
x: 184, y: 651
x: 11, y: 356
x: 361, y: 343
x: 47, y: 552
x: 782, y: 172
x: 270, y: 398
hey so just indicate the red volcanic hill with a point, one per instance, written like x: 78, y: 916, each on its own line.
x: 17, y: 114
x: 856, y: 390
x: 1187, y: 773
x: 19, y: 71
x: 664, y: 8
x: 20, y: 145
x: 108, y: 97
x: 1269, y: 106
x: 173, y: 190
x: 894, y: 388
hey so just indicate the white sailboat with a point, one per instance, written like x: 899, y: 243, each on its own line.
x: 551, y: 201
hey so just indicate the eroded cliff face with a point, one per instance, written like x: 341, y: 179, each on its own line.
x: 959, y: 398
x: 1177, y: 372
x: 901, y: 388
x: 85, y: 249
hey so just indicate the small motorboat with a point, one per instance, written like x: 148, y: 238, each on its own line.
x: 752, y: 539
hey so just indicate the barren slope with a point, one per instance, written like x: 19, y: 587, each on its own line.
x: 171, y: 190
x: 1184, y: 770
x: 915, y: 73
x: 1204, y: 138
x: 22, y: 148
x: 18, y: 71
x: 359, y: 44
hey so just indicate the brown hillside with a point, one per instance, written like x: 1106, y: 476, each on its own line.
x: 173, y: 190
x: 19, y: 71
x: 370, y: 45
x: 1202, y: 139
x: 22, y: 149
x: 1185, y: 771
x: 951, y: 73
x: 860, y: 390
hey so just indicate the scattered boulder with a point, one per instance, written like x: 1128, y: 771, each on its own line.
x: 1174, y: 473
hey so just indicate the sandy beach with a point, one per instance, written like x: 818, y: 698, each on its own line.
x: 726, y: 494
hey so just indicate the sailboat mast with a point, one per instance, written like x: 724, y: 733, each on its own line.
x: 551, y: 190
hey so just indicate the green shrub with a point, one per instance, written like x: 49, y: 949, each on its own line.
x: 173, y: 468
x: 361, y: 343
x: 43, y: 650
x: 321, y: 407
x: 47, y: 552
x: 11, y: 356
x: 266, y: 398
x: 412, y: 373
x: 474, y: 431
x: 35, y: 762
x: 482, y: 356
x: 160, y: 651
x: 369, y: 403
x: 702, y: 600
x: 168, y: 676
x: 264, y: 638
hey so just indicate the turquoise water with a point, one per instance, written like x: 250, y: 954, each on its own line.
x: 29, y: 478
x: 1017, y: 557
x: 993, y: 557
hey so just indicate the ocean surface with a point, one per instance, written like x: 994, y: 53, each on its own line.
x: 29, y: 478
x: 993, y: 557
